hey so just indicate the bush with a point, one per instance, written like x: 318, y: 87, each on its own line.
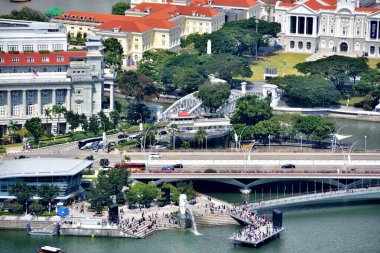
x: 210, y: 171
x: 44, y: 51
x: 36, y: 208
x: 88, y: 172
x: 90, y: 158
x: 127, y: 158
x: 16, y: 208
x: 46, y: 213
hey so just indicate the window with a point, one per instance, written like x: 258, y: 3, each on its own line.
x: 300, y: 45
x: 42, y: 47
x: 2, y: 95
x: 163, y: 43
x: 45, y: 94
x: 78, y: 91
x: 301, y: 25
x: 293, y: 24
x: 57, y: 47
x: 308, y: 45
x: 344, y: 30
x: 292, y: 44
x: 12, y: 48
x: 14, y: 70
x: 332, y: 29
x: 1, y: 59
x: 30, y: 94
x: 1, y: 48
x: 45, y: 59
x: 372, y: 50
x: 60, y: 58
x: 60, y: 93
x: 27, y: 47
x: 136, y: 46
x: 30, y: 59
x: 59, y: 69
x: 44, y: 69
x: 15, y: 95
x: 15, y: 59
x: 309, y: 25
x: 79, y: 108
x: 163, y: 36
x: 136, y: 39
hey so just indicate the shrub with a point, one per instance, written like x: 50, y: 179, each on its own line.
x: 90, y: 158
x: 88, y: 172
x: 16, y: 208
x: 210, y: 171
x: 44, y: 51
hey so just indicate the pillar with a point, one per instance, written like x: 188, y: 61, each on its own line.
x: 9, y: 103
x: 112, y: 86
x: 23, y: 107
x: 39, y: 102
x: 53, y: 97
x: 68, y: 99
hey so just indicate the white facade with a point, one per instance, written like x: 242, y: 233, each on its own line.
x: 331, y: 27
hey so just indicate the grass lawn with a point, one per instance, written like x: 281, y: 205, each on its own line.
x: 351, y: 102
x: 276, y: 61
x: 372, y: 62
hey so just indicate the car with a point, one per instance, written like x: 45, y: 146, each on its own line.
x: 163, y: 133
x: 122, y: 141
x: 122, y: 136
x: 157, y: 147
x: 155, y: 155
x: 168, y: 168
x: 178, y: 166
x: 87, y: 146
x: 288, y: 166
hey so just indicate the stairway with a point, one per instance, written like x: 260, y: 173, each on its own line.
x: 214, y: 220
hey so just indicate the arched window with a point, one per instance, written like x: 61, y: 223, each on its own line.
x: 308, y: 45
x: 372, y: 50
x: 300, y: 45
x: 292, y: 44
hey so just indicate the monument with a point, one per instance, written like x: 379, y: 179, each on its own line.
x: 185, y: 215
x: 208, y: 47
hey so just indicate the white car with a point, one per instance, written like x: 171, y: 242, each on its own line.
x: 155, y: 155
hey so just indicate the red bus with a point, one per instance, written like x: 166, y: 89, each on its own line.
x: 131, y: 166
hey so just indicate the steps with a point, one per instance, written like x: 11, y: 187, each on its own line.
x: 214, y: 220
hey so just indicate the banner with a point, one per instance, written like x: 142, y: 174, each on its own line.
x: 373, y: 34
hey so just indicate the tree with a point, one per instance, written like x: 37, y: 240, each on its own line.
x: 115, y: 118
x: 84, y: 122
x: 368, y: 82
x: 174, y: 193
x: 35, y: 128
x: 214, y: 96
x: 53, y: 12
x: 185, y: 145
x: 187, y: 189
x: 105, y: 123
x: 26, y: 13
x: 47, y: 113
x: 250, y: 110
x: 314, y: 126
x: 12, y: 128
x: 120, y: 8
x: 135, y: 85
x: 73, y: 119
x: 36, y: 208
x: 134, y: 110
x: 47, y: 193
x: 143, y: 194
x: 113, y: 53
x: 17, y: 208
x: 335, y: 68
x: 104, y: 162
x: 200, y: 136
x: 308, y: 91
x: 188, y: 79
x: 94, y: 124
x: 22, y: 192
x: 58, y: 110
x: 243, y: 131
x: 268, y: 127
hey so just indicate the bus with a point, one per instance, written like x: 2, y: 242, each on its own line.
x: 133, y: 167
x: 83, y: 142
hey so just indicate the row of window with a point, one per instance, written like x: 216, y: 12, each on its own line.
x: 44, y: 69
x: 31, y: 94
x: 29, y: 47
x: 300, y: 45
x: 31, y: 59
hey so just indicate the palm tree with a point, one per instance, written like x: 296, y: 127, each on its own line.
x: 12, y: 128
x: 200, y: 135
x: 47, y: 112
x: 58, y: 110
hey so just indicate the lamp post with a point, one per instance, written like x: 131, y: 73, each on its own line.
x: 241, y: 133
x: 335, y: 139
x: 301, y: 141
x: 26, y: 207
x: 49, y: 207
x: 365, y: 143
x: 257, y: 24
x: 269, y: 137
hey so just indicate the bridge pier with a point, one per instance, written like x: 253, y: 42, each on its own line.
x: 245, y: 190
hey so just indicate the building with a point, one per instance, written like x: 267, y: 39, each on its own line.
x: 37, y: 71
x: 145, y: 27
x: 64, y: 173
x: 329, y: 27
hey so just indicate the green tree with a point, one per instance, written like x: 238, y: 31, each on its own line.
x: 26, y: 13
x: 94, y: 124
x: 335, y: 68
x: 250, y: 110
x: 185, y: 145
x: 47, y: 113
x: 368, y: 82
x: 243, y: 131
x: 136, y: 86
x: 84, y: 122
x: 22, y: 192
x: 187, y: 188
x: 73, y: 119
x: 35, y: 128
x: 36, y: 208
x: 143, y: 194
x: 53, y: 12
x: 17, y: 208
x: 47, y: 193
x: 113, y: 53
x: 134, y: 110
x: 188, y: 79
x: 271, y: 127
x: 200, y: 136
x: 174, y: 193
x: 314, y: 126
x: 58, y: 110
x: 214, y: 96
x: 104, y: 162
x: 105, y: 123
x: 120, y: 8
x: 12, y: 128
x: 115, y: 118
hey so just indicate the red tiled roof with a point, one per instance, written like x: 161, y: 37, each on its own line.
x: 231, y: 3
x: 38, y: 58
x: 367, y: 9
x: 315, y: 5
x: 287, y: 5
x: 184, y: 114
x: 330, y: 2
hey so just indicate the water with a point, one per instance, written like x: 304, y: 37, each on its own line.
x: 193, y: 223
x: 347, y: 228
x: 82, y: 5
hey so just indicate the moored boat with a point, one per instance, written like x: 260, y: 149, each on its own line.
x: 49, y: 249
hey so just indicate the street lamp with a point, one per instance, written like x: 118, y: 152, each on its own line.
x: 141, y: 121
x: 49, y: 207
x: 365, y: 143
x: 241, y: 133
x: 26, y: 207
x: 257, y: 24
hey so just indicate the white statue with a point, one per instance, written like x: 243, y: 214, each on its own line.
x: 182, y: 203
x: 209, y: 46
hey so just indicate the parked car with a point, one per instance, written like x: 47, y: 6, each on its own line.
x: 122, y: 141
x: 168, y: 168
x: 155, y: 155
x: 122, y: 136
x: 88, y: 145
x: 162, y: 133
x: 159, y: 147
x: 178, y: 166
x: 288, y: 166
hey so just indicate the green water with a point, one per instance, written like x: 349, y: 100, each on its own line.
x: 347, y: 228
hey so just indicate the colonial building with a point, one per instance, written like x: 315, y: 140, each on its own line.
x: 329, y: 26
x: 145, y: 27
x: 37, y: 72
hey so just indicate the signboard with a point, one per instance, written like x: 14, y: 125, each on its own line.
x: 373, y: 32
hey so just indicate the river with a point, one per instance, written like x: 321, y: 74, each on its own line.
x: 346, y: 228
x: 80, y: 5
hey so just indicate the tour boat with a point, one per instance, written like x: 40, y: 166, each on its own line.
x: 20, y: 0
x: 49, y: 249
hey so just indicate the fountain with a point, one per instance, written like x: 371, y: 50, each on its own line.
x: 186, y: 214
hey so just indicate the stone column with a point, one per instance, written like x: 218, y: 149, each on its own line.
x: 112, y: 99
x: 296, y: 27
x: 68, y: 99
x: 39, y: 103
x: 9, y: 103
x: 53, y: 97
x: 23, y: 107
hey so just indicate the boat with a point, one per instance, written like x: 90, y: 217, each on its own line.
x: 49, y: 249
x: 19, y: 1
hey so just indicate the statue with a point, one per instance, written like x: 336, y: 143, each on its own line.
x: 182, y: 204
x: 209, y: 46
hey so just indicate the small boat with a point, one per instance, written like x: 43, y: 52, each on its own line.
x: 49, y: 249
x: 19, y: 1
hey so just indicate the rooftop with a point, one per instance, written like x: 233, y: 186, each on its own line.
x: 229, y: 3
x: 37, y: 167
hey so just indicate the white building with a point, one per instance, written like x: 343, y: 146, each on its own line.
x: 37, y: 72
x: 329, y: 26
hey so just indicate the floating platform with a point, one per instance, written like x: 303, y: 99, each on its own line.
x: 256, y: 243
